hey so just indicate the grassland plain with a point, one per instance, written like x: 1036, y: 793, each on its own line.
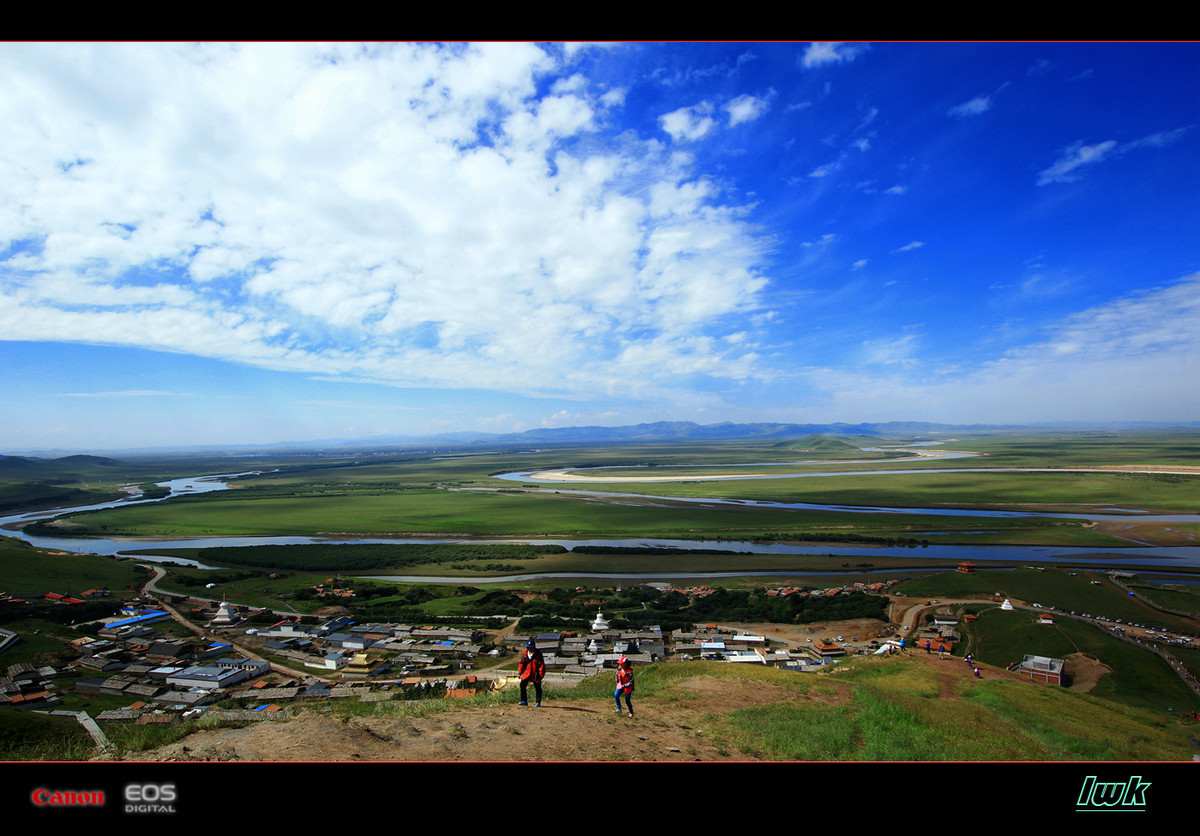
x: 997, y: 489
x: 407, y: 494
x: 525, y: 514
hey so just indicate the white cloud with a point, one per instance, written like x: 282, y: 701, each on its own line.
x: 1066, y: 168
x: 745, y: 108
x: 1159, y: 140
x: 892, y: 351
x: 614, y: 97
x: 824, y: 241
x: 972, y: 107
x: 912, y: 245
x: 687, y: 124
x: 412, y: 215
x: 1074, y: 157
x: 1039, y: 67
x: 1145, y: 346
x: 831, y: 53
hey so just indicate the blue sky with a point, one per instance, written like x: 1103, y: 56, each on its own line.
x: 222, y: 243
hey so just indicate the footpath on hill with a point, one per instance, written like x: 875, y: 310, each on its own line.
x: 563, y: 729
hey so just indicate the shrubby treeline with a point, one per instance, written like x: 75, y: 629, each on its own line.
x: 319, y: 557
x: 637, y: 606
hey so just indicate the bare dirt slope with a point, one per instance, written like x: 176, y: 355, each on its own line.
x: 563, y: 729
x: 861, y: 629
x: 1084, y: 672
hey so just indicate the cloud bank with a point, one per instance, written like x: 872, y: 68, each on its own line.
x: 411, y: 215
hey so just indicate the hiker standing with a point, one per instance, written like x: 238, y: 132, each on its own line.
x: 531, y: 668
x: 624, y: 684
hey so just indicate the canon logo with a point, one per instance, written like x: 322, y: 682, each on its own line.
x: 42, y: 797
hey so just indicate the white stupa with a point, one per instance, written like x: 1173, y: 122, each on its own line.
x: 1007, y: 605
x: 225, y: 615
x: 599, y: 625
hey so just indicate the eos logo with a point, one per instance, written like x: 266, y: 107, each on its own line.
x: 150, y: 798
x: 42, y: 797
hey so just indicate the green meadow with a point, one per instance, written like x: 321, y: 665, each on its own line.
x: 427, y: 495
x: 880, y: 709
x: 523, y: 513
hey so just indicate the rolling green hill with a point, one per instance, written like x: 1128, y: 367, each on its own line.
x: 817, y: 443
x: 67, y: 468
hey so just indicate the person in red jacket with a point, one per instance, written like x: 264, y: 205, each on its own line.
x: 531, y: 668
x: 624, y: 684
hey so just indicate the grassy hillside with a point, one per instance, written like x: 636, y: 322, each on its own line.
x: 918, y: 708
x: 1138, y: 678
x: 818, y: 444
x: 24, y: 570
x: 913, y: 708
x: 1066, y: 589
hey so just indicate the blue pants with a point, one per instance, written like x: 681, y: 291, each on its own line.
x: 628, y: 699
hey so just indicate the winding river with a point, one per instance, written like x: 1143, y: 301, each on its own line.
x: 1162, y: 556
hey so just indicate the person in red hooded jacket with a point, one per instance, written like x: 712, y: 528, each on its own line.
x: 624, y: 684
x: 531, y: 668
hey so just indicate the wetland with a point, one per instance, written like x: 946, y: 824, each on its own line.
x: 1121, y: 500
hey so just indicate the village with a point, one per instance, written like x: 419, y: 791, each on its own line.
x: 230, y: 665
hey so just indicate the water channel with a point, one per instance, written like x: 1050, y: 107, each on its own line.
x: 1179, y: 557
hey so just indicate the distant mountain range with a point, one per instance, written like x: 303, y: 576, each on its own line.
x: 661, y: 431
x: 690, y: 431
